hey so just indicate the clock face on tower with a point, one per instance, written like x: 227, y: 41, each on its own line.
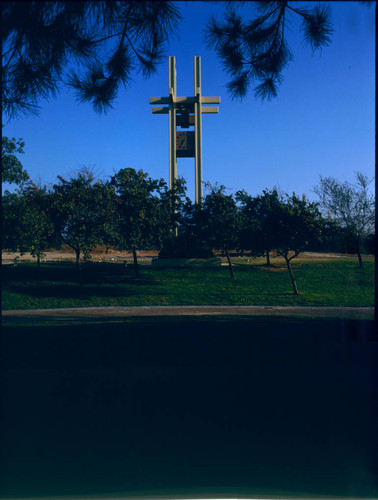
x: 185, y: 145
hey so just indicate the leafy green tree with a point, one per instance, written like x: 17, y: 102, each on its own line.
x: 12, y: 208
x: 109, y: 223
x: 97, y: 45
x: 298, y: 221
x: 140, y: 212
x: 258, y: 232
x: 169, y: 207
x: 79, y: 212
x: 255, y: 50
x: 38, y: 231
x: 190, y: 240
x: 351, y: 206
x: 13, y: 171
x: 27, y: 226
x: 222, y: 221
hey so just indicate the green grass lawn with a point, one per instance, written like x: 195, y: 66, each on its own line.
x: 320, y: 283
x: 256, y: 407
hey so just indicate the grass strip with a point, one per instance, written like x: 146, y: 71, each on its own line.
x: 339, y: 283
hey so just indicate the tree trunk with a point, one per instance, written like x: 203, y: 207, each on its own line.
x: 359, y: 259
x: 136, y: 268
x: 78, y: 267
x: 230, y: 265
x: 77, y: 252
x: 295, y: 289
x: 38, y: 261
x: 358, y: 250
x: 268, y: 258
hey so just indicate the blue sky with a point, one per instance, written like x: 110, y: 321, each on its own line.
x: 321, y: 124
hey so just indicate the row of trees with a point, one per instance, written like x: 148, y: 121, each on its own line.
x: 132, y: 211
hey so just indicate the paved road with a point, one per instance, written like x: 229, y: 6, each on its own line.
x: 113, y: 312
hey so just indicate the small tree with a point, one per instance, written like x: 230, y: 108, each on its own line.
x: 13, y: 208
x: 298, y: 222
x: 79, y: 212
x: 38, y: 227
x: 169, y: 205
x: 137, y: 210
x: 222, y: 221
x: 191, y: 240
x: 27, y: 226
x: 109, y: 224
x: 258, y: 232
x: 350, y: 206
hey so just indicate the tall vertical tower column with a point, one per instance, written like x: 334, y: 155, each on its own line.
x: 172, y: 121
x: 185, y: 112
x: 198, y: 129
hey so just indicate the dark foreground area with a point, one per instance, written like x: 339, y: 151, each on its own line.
x: 175, y: 405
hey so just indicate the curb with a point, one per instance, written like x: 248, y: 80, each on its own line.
x: 362, y: 313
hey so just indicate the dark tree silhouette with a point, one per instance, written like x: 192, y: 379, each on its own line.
x: 255, y: 50
x: 92, y: 46
x: 96, y: 46
x: 298, y: 221
x: 222, y: 221
x: 258, y: 221
x: 27, y: 226
x: 79, y: 212
x: 144, y: 210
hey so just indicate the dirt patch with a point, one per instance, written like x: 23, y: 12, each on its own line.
x: 316, y: 255
x: 99, y: 254
x: 65, y: 254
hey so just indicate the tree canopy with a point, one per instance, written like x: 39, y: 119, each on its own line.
x: 141, y: 220
x: 13, y: 171
x: 96, y: 47
x: 255, y: 50
x: 298, y: 221
x: 135, y: 212
x: 26, y: 222
x: 258, y: 224
x: 79, y: 212
x: 221, y: 221
x: 92, y: 46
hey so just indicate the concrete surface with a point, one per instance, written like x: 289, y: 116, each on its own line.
x: 366, y: 313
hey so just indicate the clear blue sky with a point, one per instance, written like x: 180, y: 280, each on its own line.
x: 321, y: 124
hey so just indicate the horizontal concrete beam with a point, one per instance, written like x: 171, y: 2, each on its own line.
x: 160, y: 111
x: 160, y: 100
x: 185, y: 100
x: 163, y: 111
x: 210, y: 109
x: 210, y: 100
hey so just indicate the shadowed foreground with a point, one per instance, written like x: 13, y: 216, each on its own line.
x: 163, y: 405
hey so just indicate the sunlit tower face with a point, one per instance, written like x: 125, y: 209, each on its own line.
x: 185, y: 112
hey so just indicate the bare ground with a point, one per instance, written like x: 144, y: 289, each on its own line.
x: 66, y: 254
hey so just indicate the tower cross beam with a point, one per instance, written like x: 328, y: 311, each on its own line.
x: 185, y: 112
x: 185, y: 100
x: 159, y: 110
